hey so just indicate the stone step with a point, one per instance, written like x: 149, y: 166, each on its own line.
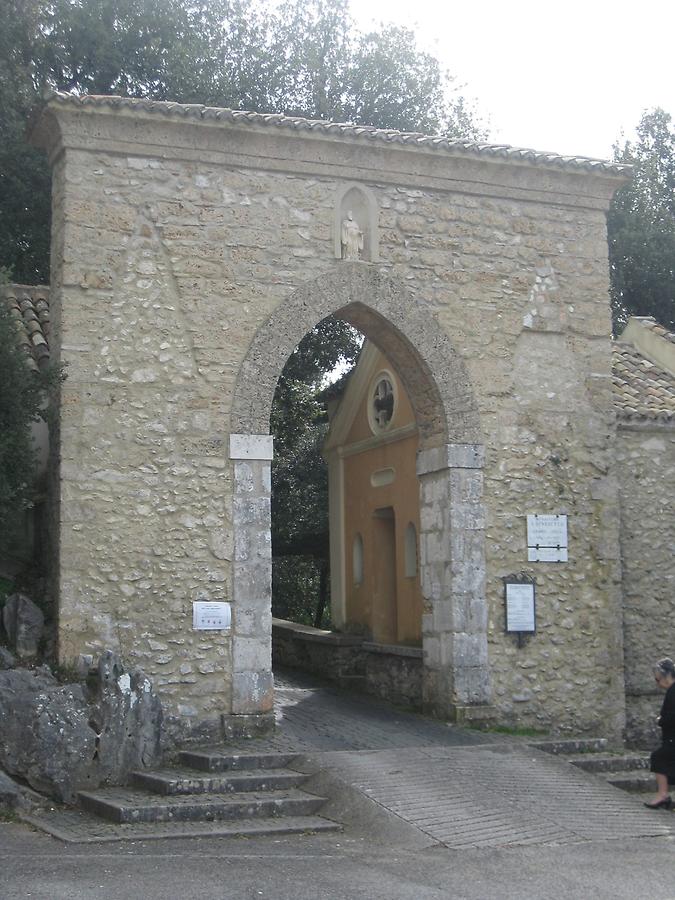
x: 627, y: 771
x: 632, y: 781
x: 128, y: 805
x: 565, y: 747
x: 217, y: 761
x: 78, y: 827
x: 187, y: 781
x: 620, y: 763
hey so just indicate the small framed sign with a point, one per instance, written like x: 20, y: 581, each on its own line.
x: 211, y: 616
x: 520, y: 606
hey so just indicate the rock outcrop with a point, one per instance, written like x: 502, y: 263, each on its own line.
x: 23, y: 622
x: 45, y: 738
x: 129, y: 718
x: 62, y: 738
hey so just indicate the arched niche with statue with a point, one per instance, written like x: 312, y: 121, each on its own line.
x: 356, y: 232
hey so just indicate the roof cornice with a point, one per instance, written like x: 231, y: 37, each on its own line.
x: 341, y: 131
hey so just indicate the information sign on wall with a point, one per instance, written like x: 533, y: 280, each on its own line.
x: 211, y: 616
x: 546, y: 538
x: 520, y: 615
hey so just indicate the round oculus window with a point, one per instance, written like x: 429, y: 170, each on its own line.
x: 382, y: 402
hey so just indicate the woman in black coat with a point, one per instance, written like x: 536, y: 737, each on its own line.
x: 662, y: 761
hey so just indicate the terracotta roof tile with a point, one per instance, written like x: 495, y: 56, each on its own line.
x: 339, y: 129
x: 650, y: 323
x: 30, y: 307
x: 642, y: 390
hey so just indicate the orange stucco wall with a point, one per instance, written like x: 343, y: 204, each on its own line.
x: 388, y: 602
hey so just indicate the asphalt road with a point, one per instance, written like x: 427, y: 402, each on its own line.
x: 34, y: 865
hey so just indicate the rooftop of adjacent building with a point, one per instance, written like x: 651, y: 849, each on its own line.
x: 29, y: 305
x: 643, y: 371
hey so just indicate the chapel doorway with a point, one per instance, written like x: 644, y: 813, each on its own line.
x: 383, y: 586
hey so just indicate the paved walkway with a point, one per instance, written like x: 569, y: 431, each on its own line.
x: 399, y: 779
x: 312, y: 717
x: 446, y: 785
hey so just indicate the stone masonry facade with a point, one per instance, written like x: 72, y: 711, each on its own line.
x: 646, y: 463
x: 644, y: 389
x: 192, y: 250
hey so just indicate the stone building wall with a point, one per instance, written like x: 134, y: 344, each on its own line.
x: 182, y: 238
x: 646, y: 466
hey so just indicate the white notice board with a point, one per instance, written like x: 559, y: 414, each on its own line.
x: 211, y: 616
x: 520, y: 607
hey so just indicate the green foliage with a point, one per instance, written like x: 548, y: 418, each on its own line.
x: 391, y: 84
x: 514, y: 730
x: 67, y: 673
x: 296, y: 586
x: 8, y: 815
x: 299, y: 475
x: 25, y: 203
x: 641, y: 225
x: 23, y: 394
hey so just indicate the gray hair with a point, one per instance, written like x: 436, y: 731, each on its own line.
x: 665, y: 667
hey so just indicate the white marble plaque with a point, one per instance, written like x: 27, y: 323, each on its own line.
x: 520, y: 607
x: 547, y: 554
x: 546, y: 538
x: 211, y: 616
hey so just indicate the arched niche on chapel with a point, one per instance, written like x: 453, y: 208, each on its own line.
x: 356, y: 229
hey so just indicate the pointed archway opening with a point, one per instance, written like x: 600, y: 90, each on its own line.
x: 448, y: 465
x: 307, y: 390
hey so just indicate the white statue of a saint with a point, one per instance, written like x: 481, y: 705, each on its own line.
x: 351, y: 237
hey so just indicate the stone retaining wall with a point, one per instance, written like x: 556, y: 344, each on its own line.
x: 393, y: 673
x: 328, y: 654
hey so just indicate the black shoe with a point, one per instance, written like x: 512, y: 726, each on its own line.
x: 662, y: 804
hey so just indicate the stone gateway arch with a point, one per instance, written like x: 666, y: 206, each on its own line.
x: 192, y: 249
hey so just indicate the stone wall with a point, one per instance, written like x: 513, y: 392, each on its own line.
x: 395, y: 673
x: 335, y: 657
x: 184, y: 240
x: 646, y: 467
x: 391, y: 672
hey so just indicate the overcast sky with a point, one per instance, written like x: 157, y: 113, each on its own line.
x: 566, y: 76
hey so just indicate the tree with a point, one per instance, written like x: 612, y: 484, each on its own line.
x: 25, y: 202
x: 302, y: 58
x: 299, y: 475
x: 641, y: 225
x: 23, y: 397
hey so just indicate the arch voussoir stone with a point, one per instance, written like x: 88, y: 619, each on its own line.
x: 400, y: 324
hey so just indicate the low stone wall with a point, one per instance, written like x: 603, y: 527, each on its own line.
x: 392, y: 672
x: 336, y: 657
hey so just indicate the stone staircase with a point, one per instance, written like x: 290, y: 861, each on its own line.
x: 241, y: 793
x: 626, y: 770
